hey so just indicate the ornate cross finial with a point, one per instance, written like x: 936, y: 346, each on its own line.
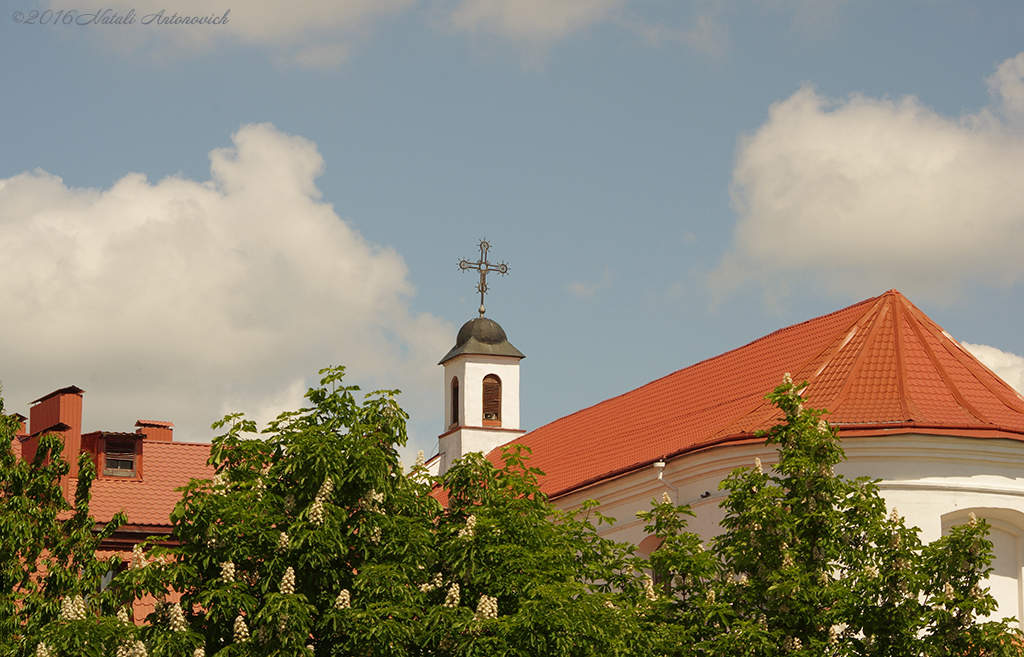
x: 484, y: 267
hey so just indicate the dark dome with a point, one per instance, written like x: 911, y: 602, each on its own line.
x: 483, y: 329
x: 484, y: 337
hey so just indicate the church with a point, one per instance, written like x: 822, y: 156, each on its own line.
x: 913, y: 408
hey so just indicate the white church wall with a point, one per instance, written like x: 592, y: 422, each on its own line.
x: 933, y: 481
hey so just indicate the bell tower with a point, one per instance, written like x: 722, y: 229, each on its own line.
x: 481, y: 381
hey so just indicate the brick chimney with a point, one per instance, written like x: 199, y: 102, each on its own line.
x: 58, y: 412
x: 155, y: 430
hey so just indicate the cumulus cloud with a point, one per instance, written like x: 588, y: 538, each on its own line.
x: 181, y: 300
x: 863, y: 194
x: 313, y: 33
x: 534, y: 21
x: 1008, y: 366
x: 585, y: 290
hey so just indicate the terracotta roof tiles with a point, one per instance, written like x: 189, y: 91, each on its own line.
x: 166, y: 466
x: 877, y: 366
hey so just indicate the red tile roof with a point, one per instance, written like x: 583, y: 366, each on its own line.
x: 879, y: 366
x: 149, y: 501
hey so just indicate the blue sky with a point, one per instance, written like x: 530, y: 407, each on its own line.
x: 195, y: 218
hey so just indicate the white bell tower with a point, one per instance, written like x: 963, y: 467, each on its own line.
x: 481, y: 382
x: 481, y: 392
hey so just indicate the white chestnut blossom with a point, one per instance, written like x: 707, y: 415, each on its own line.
x: 177, y: 618
x: 134, y: 649
x: 435, y: 583
x: 227, y: 572
x: 199, y: 652
x: 241, y: 630
x: 344, y: 600
x: 72, y: 608
x: 138, y: 558
x: 288, y: 582
x: 43, y: 650
x: 452, y: 599
x: 649, y: 591
x: 486, y: 608
x: 469, y: 529
x: 122, y: 615
x: 316, y: 512
x: 282, y: 542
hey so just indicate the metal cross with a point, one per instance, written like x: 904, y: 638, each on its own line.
x: 484, y: 267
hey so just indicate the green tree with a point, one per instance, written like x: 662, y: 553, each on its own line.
x: 50, y: 578
x: 311, y: 539
x: 811, y: 563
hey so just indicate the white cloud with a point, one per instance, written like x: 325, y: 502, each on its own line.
x: 534, y: 21
x: 584, y: 290
x: 864, y: 194
x: 1008, y: 366
x: 180, y: 300
x: 309, y: 33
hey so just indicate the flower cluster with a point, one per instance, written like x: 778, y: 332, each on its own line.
x: 283, y: 542
x: 373, y: 501
x: 288, y: 581
x: 122, y: 615
x: 138, y: 558
x: 649, y: 591
x: 469, y: 529
x: 260, y: 488
x: 316, y: 512
x: 452, y: 599
x: 177, y: 618
x: 227, y: 572
x: 972, y: 519
x: 43, y: 650
x: 72, y: 608
x: 486, y: 608
x: 665, y: 499
x: 419, y: 459
x: 435, y: 583
x: 375, y: 535
x: 220, y: 484
x: 199, y: 652
x: 133, y: 649
x: 241, y: 630
x: 344, y: 600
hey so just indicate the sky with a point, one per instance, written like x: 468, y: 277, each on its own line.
x: 196, y: 217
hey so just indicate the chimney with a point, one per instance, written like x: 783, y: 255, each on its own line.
x: 59, y: 412
x: 155, y: 430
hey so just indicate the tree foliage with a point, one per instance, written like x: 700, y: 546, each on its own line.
x: 49, y: 574
x: 811, y: 563
x: 312, y: 539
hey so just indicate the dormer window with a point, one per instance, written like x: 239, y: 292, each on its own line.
x: 119, y: 458
x: 492, y: 401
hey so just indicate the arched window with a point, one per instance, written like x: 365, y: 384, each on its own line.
x: 455, y: 401
x: 492, y: 400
